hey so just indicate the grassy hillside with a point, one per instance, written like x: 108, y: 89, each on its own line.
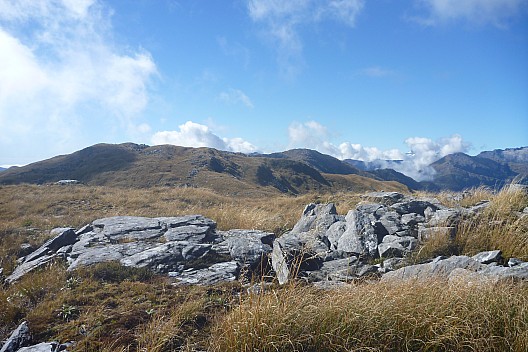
x: 132, y: 165
x: 111, y: 308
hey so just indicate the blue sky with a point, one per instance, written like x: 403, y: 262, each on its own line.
x: 352, y: 78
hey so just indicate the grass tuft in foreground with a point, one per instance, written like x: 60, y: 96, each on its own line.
x: 407, y: 316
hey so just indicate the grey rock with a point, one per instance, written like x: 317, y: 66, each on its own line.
x: 25, y: 249
x: 334, y: 232
x: 514, y: 262
x: 390, y: 264
x: 464, y: 277
x: 219, y: 272
x: 67, y: 237
x: 445, y: 218
x: 412, y: 219
x: 478, y: 208
x: 360, y: 236
x: 41, y: 347
x: 192, y: 233
x: 396, y: 246
x: 19, y: 338
x: 387, y: 198
x: 488, y: 257
x: 28, y: 266
x: 372, y: 208
x: 439, y: 268
x: 316, y: 218
x: 391, y: 221
x: 417, y: 206
x: 335, y: 270
x: 249, y: 248
x: 502, y: 273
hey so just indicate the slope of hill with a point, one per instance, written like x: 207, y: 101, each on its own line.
x: 515, y: 158
x: 321, y: 162
x: 459, y: 171
x: 132, y: 165
x: 2, y: 169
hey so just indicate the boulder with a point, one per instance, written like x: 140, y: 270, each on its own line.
x: 19, y: 338
x: 445, y: 218
x: 250, y: 248
x: 391, y: 221
x: 514, y: 262
x: 219, y: 272
x: 387, y: 198
x: 361, y: 237
x: 417, y: 206
x: 396, y: 246
x: 489, y: 257
x: 42, y: 347
x: 316, y: 218
x: 439, y: 268
x: 504, y: 273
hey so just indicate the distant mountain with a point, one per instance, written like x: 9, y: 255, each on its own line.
x: 515, y: 158
x: 321, y: 162
x: 393, y: 175
x: 132, y: 165
x: 2, y: 169
x: 460, y: 171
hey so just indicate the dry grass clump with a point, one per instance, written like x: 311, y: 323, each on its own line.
x: 406, y: 316
x: 500, y: 226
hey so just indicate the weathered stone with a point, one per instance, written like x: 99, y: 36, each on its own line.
x: 396, y: 246
x: 391, y: 221
x: 390, y: 264
x: 464, y: 277
x: 439, y: 268
x: 332, y: 235
x: 412, y: 219
x: 249, y: 248
x: 19, y: 338
x: 41, y: 347
x: 372, y: 208
x: 503, y: 273
x: 29, y: 266
x: 335, y: 270
x: 488, y: 257
x: 514, y: 262
x: 193, y: 233
x: 445, y: 218
x: 67, y: 237
x: 360, y: 237
x: 219, y: 272
x: 387, y: 198
x: 417, y: 206
x: 316, y: 218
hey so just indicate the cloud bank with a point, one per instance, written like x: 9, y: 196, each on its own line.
x: 192, y: 134
x: 58, y: 62
x: 414, y: 163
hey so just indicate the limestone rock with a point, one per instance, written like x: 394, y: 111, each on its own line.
x: 396, y: 246
x: 488, y: 257
x: 219, y: 272
x: 18, y: 339
x: 387, y: 198
x: 437, y: 268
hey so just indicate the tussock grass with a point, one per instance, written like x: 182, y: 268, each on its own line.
x: 408, y: 316
x: 500, y: 226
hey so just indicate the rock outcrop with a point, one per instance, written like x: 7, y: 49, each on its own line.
x: 187, y: 248
x: 323, y: 246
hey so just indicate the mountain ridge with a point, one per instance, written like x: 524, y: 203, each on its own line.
x: 293, y: 171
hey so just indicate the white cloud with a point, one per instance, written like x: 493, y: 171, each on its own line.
x: 235, y: 96
x: 62, y: 72
x: 423, y: 151
x: 282, y: 21
x: 192, y: 134
x: 495, y: 12
x: 376, y: 72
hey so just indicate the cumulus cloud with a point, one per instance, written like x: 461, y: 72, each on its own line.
x: 61, y: 68
x: 414, y: 163
x: 282, y: 20
x: 235, y: 96
x: 495, y: 12
x: 192, y: 134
